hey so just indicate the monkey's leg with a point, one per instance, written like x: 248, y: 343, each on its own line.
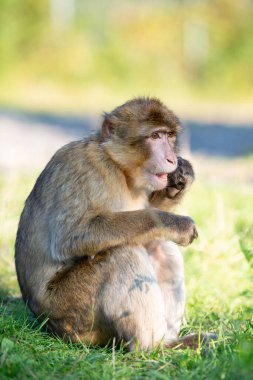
x: 72, y: 302
x: 132, y: 299
x: 116, y: 295
x: 168, y: 263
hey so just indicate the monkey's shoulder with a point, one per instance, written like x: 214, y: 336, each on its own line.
x: 77, y: 171
x: 73, y: 152
x: 76, y: 157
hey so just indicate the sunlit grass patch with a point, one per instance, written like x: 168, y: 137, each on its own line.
x: 219, y: 299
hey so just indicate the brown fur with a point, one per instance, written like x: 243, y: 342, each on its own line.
x: 82, y: 247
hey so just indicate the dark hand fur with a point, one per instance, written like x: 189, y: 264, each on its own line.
x: 178, y: 183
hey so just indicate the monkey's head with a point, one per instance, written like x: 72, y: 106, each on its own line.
x: 140, y: 136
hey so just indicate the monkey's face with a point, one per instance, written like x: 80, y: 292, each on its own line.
x: 140, y: 137
x: 162, y: 160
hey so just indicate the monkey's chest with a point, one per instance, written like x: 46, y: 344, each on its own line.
x: 133, y: 204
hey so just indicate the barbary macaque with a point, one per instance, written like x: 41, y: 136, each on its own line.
x: 97, y: 244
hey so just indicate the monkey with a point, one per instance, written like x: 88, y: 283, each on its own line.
x: 96, y: 250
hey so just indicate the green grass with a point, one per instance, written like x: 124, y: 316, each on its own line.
x: 219, y: 287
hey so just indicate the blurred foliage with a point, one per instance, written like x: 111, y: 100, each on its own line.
x: 175, y: 48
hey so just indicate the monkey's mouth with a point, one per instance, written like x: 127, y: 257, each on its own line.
x: 162, y: 176
x: 159, y: 180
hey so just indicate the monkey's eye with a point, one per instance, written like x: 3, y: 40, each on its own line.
x: 155, y: 135
x: 171, y: 134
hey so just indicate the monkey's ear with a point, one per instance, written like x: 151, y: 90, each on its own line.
x: 107, y: 127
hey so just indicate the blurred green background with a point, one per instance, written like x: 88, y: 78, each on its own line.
x: 83, y: 55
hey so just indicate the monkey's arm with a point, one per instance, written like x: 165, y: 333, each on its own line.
x: 109, y: 230
x: 178, y: 184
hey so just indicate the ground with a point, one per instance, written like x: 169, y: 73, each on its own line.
x: 218, y: 266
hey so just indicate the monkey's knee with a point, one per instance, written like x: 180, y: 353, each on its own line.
x: 143, y: 326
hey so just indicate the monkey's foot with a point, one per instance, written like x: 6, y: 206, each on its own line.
x: 203, y: 341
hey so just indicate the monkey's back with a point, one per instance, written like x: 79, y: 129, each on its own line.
x: 73, y: 185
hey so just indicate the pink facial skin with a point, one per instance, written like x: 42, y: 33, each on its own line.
x: 163, y: 159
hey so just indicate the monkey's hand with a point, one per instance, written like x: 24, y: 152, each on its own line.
x: 181, y: 229
x: 178, y: 228
x: 180, y: 180
x: 188, y: 231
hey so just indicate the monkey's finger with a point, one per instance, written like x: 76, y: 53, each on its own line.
x: 179, y: 160
x: 195, y: 233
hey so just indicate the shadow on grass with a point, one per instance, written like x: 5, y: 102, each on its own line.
x: 216, y: 139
